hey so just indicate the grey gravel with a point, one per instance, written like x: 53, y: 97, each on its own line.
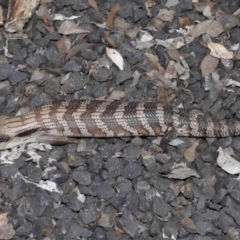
x: 118, y: 188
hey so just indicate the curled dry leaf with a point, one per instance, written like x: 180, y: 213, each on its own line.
x: 166, y: 15
x: 211, y: 27
x: 219, y: 51
x: 19, y: 11
x: 68, y: 27
x: 189, y: 153
x: 228, y: 163
x: 208, y: 65
x: 115, y: 56
x: 111, y: 15
x: 172, y: 43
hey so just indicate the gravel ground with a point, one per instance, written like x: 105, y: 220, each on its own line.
x: 122, y: 188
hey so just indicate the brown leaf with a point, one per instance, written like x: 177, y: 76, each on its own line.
x: 132, y: 33
x: 63, y: 44
x: 93, y: 4
x: 189, y: 153
x: 108, y: 40
x: 49, y: 29
x: 184, y: 21
x: 188, y: 223
x: 174, y: 54
x: 43, y: 13
x: 75, y: 49
x: 120, y: 24
x: 68, y: 27
x: 209, y: 65
x: 111, y: 15
x: 211, y: 27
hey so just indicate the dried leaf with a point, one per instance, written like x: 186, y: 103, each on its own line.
x: 7, y: 231
x: 60, y: 17
x: 158, y: 23
x: 236, y: 13
x: 174, y: 54
x: 93, y: 4
x: 201, y: 6
x: 120, y: 24
x: 132, y: 33
x: 188, y: 223
x: 1, y: 16
x: 75, y: 49
x: 108, y: 40
x: 3, y: 219
x: 166, y: 15
x: 165, y: 94
x: 219, y: 51
x: 172, y: 43
x: 189, y: 153
x: 170, y: 71
x: 68, y: 27
x: 142, y: 45
x: 146, y: 37
x: 111, y: 15
x: 116, y: 95
x: 184, y: 21
x: 228, y: 163
x: 176, y: 142
x: 63, y: 44
x: 115, y: 56
x: 208, y: 65
x: 43, y: 13
x: 183, y: 173
x: 211, y: 27
x: 18, y: 14
x: 229, y: 82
